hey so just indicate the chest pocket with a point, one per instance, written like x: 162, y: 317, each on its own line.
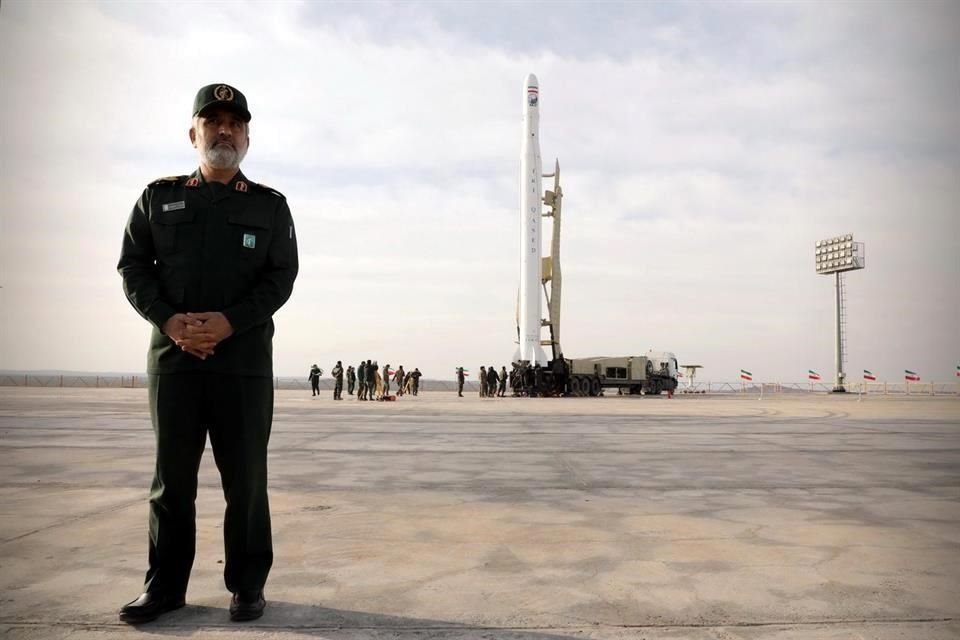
x: 250, y: 235
x: 173, y: 231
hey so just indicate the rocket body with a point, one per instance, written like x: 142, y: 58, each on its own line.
x: 531, y: 172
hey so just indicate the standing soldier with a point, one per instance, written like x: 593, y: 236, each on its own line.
x: 483, y: 382
x: 460, y: 380
x: 515, y: 379
x: 416, y: 380
x: 351, y: 379
x: 362, y: 381
x: 208, y: 259
x: 314, y: 378
x: 560, y: 375
x: 399, y: 379
x: 371, y: 381
x: 503, y: 381
x: 337, y: 374
x: 492, y: 380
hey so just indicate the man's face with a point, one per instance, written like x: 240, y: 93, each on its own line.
x: 221, y: 137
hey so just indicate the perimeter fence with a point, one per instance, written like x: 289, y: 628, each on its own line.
x: 118, y: 381
x: 140, y: 382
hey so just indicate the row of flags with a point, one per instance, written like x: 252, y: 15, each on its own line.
x: 813, y: 376
x: 909, y: 376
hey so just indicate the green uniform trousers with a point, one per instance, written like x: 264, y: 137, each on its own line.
x: 237, y: 412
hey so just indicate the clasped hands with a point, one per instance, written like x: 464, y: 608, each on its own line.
x: 198, y: 333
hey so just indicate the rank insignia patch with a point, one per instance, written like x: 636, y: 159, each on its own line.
x: 241, y: 186
x: 249, y: 241
x: 193, y: 182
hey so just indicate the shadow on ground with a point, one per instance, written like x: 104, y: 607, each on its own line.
x: 307, y: 619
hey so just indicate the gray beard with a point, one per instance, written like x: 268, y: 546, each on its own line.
x: 221, y: 156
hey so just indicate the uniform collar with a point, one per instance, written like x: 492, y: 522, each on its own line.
x: 238, y: 185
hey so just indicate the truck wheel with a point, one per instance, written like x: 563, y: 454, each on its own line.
x: 595, y: 387
x: 575, y: 386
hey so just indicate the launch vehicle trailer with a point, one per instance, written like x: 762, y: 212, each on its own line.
x: 651, y: 374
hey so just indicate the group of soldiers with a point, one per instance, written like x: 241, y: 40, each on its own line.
x: 492, y: 384
x: 370, y: 380
x: 523, y: 379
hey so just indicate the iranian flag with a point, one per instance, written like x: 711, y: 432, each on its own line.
x: 746, y: 375
x: 813, y: 375
x: 466, y: 373
x: 911, y: 376
x: 869, y: 376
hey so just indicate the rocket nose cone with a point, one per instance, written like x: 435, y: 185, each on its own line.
x: 531, y: 81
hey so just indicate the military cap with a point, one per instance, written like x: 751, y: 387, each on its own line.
x: 221, y: 96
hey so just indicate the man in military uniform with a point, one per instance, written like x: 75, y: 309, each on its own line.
x: 461, y: 376
x: 314, y: 378
x: 337, y: 374
x: 371, y: 381
x: 351, y: 379
x: 503, y: 382
x: 362, y: 381
x: 399, y: 378
x: 483, y: 382
x: 416, y: 380
x: 208, y: 259
x: 492, y: 380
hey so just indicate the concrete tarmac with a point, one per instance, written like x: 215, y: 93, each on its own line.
x: 788, y: 517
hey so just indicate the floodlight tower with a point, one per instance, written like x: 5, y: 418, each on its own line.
x: 837, y: 256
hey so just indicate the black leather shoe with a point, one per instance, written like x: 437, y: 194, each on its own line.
x: 247, y: 605
x: 149, y: 606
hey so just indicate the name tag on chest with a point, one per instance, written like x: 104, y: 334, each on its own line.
x: 249, y: 241
x: 174, y: 206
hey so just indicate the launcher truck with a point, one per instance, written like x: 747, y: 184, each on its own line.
x: 649, y: 374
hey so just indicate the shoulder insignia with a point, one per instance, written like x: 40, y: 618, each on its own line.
x: 168, y: 180
x: 193, y: 182
x: 263, y: 187
x: 240, y: 186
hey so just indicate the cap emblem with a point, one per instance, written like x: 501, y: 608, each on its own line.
x: 224, y: 93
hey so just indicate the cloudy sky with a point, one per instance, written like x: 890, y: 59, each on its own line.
x: 704, y: 148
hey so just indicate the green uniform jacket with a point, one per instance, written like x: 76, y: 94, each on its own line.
x: 193, y: 246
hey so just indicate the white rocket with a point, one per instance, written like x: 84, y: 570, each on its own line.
x: 528, y: 316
